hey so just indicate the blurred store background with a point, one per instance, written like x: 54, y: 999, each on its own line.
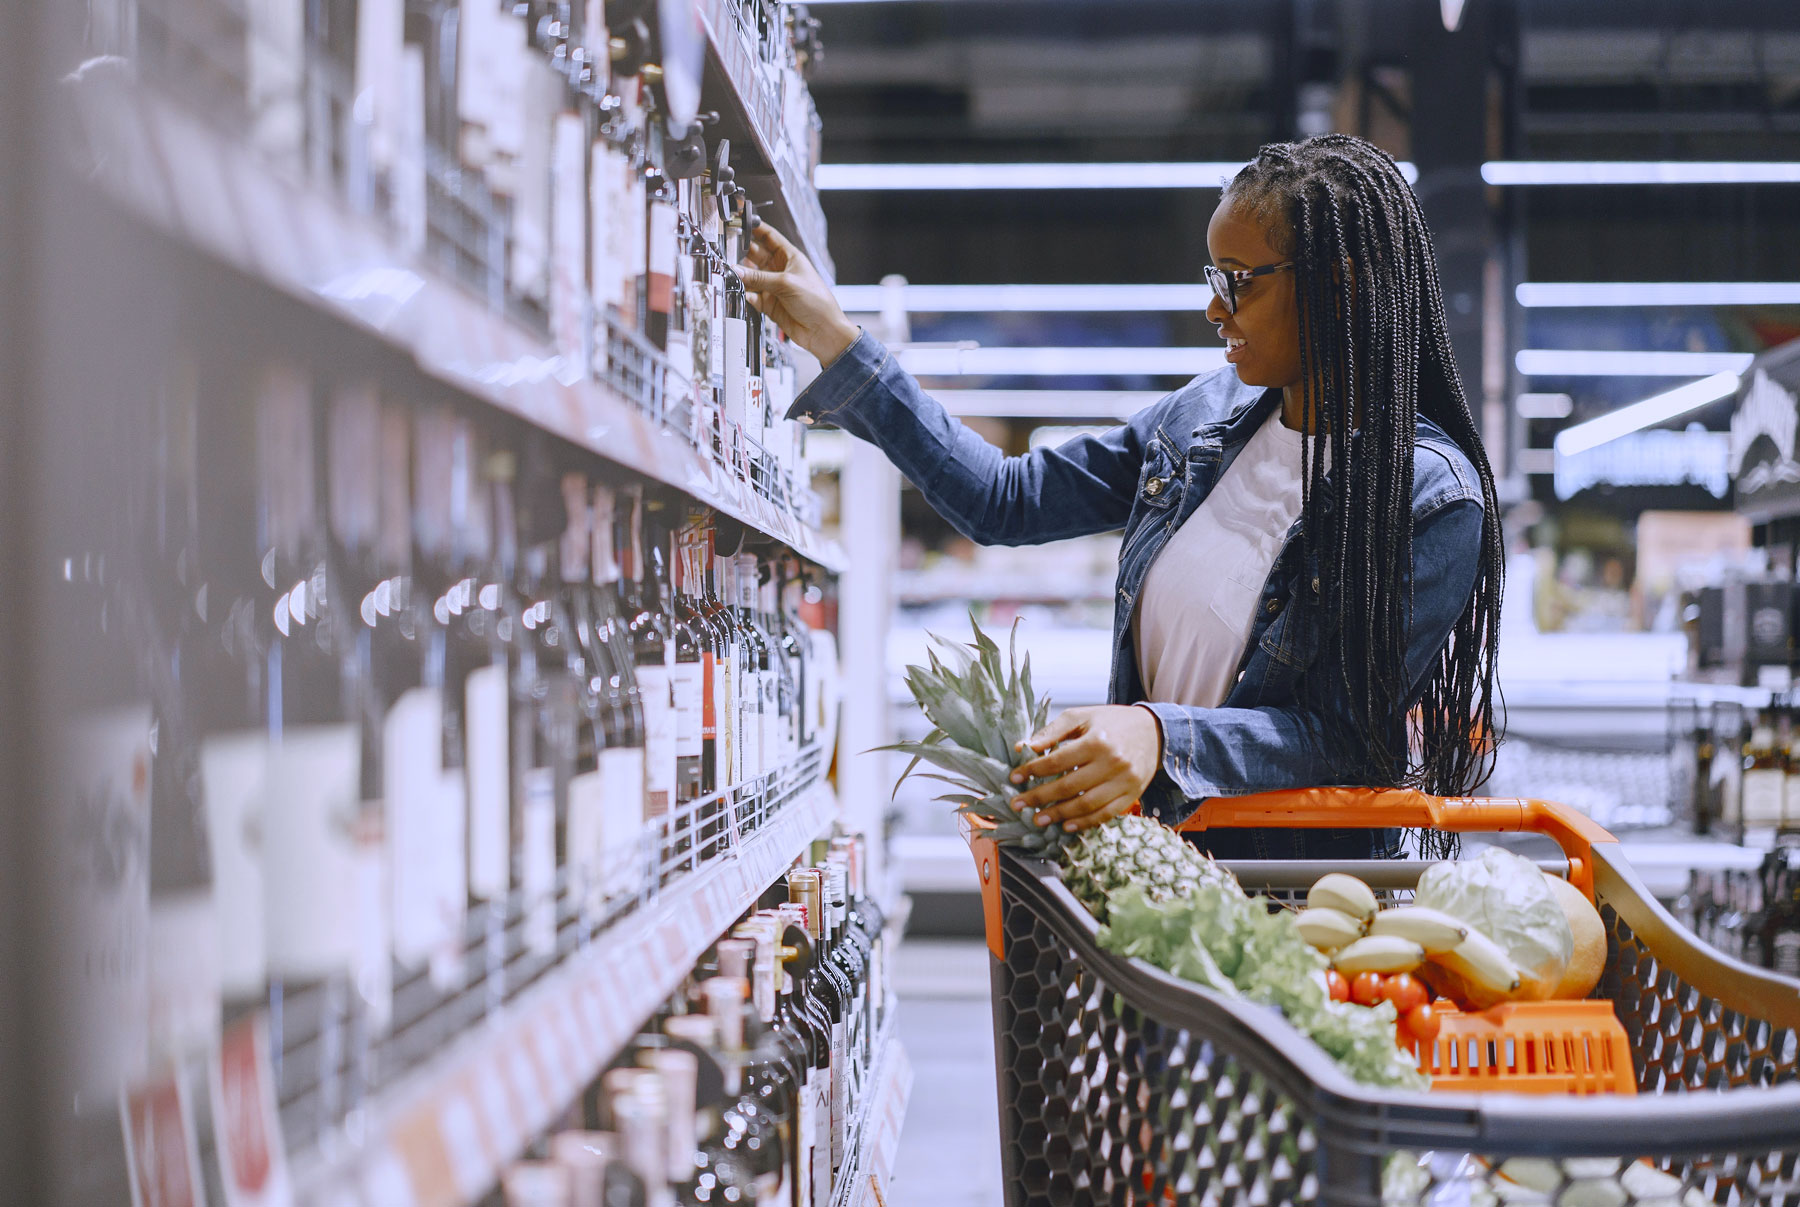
x: 1016, y: 195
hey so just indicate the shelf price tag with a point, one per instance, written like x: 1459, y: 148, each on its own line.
x: 252, y: 1156
x: 162, y: 1152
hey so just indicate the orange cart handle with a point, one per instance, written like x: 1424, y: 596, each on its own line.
x: 1374, y: 808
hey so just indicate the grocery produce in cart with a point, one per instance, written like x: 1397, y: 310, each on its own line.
x: 1158, y: 897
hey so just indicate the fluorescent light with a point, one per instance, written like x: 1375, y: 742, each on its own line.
x: 1060, y: 362
x: 992, y: 299
x: 1544, y: 406
x: 1558, y: 362
x: 1530, y: 172
x: 1659, y: 293
x: 1659, y: 408
x: 1045, y: 404
x: 913, y: 177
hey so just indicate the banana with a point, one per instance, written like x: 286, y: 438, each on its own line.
x: 1345, y: 894
x: 1479, y: 960
x: 1327, y: 929
x: 1432, y: 929
x: 1379, y: 953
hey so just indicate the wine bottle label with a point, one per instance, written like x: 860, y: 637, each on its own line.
x: 1790, y: 798
x: 624, y: 861
x: 412, y: 767
x: 583, y: 836
x: 756, y: 409
x: 744, y: 699
x: 709, y: 696
x: 662, y: 257
x: 450, y: 884
x: 373, y: 970
x: 717, y: 347
x: 537, y: 859
x: 725, y: 710
x: 487, y: 726
x: 568, y: 242
x: 604, y: 193
x: 407, y: 173
x: 737, y: 371
x: 821, y: 1170
x: 656, y: 685
x: 312, y: 798
x: 1762, y: 792
x: 232, y: 770
x: 771, y: 718
x: 687, y: 685
x: 840, y: 1090
x: 806, y: 1139
x: 183, y: 974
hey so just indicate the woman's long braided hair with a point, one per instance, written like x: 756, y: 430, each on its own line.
x: 1375, y: 352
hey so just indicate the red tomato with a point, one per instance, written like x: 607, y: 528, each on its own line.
x: 1365, y: 990
x: 1423, y: 1022
x: 1405, y: 992
x: 1336, y: 985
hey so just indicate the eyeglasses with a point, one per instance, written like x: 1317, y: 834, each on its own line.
x: 1225, y: 283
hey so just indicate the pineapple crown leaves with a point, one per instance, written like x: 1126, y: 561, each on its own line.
x: 982, y: 711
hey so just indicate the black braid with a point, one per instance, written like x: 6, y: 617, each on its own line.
x: 1375, y: 353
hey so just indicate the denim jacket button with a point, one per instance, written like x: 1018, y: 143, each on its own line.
x: 1153, y: 487
x: 1274, y: 606
x: 808, y: 420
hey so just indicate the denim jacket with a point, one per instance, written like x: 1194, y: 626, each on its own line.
x: 1147, y: 476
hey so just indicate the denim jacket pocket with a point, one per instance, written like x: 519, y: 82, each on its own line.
x: 1160, y: 482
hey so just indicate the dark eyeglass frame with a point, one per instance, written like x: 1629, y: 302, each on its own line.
x: 1224, y: 282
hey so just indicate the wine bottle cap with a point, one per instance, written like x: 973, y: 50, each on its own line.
x: 537, y: 1184
x: 585, y: 1155
x: 643, y: 1133
x: 725, y: 996
x: 680, y: 1073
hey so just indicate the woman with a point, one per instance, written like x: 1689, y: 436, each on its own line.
x: 1312, y: 549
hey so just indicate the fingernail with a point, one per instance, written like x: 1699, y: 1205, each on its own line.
x: 1069, y: 826
x: 1017, y: 778
x: 1018, y: 807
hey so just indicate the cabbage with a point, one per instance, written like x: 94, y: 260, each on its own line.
x: 1506, y: 897
x: 1214, y: 935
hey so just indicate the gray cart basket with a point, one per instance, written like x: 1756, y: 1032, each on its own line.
x: 1121, y: 1084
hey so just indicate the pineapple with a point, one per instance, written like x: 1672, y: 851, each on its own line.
x: 983, y: 713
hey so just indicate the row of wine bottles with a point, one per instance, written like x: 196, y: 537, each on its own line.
x: 369, y: 666
x: 746, y: 1087
x: 551, y: 154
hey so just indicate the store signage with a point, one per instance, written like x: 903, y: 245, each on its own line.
x: 1763, y: 434
x: 1655, y: 458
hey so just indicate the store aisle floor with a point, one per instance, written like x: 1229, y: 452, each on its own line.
x: 950, y: 1146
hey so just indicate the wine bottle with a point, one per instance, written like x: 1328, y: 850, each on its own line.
x: 687, y: 682
x: 655, y: 648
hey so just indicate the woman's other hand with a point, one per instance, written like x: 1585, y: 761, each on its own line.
x: 782, y: 283
x: 1101, y: 759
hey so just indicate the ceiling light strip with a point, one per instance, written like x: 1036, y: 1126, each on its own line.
x: 1658, y: 293
x: 1659, y: 408
x: 1560, y: 362
x: 1045, y: 404
x: 1585, y: 172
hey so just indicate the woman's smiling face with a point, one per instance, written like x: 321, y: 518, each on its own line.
x: 1263, y: 337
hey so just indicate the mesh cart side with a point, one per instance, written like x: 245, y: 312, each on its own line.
x: 1121, y: 1084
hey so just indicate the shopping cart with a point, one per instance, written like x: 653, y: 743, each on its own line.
x: 1121, y: 1084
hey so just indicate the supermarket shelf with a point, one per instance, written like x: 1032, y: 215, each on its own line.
x: 169, y: 167
x: 754, y: 106
x: 875, y: 1137
x: 439, y: 1138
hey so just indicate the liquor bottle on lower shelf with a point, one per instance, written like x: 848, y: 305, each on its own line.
x: 730, y: 1144
x: 765, y: 719
x: 831, y: 991
x: 1764, y: 777
x: 654, y: 648
x: 538, y: 1184
x: 806, y: 1012
x: 687, y: 674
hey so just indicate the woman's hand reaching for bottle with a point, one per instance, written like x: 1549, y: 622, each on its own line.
x: 784, y: 286
x: 1101, y: 759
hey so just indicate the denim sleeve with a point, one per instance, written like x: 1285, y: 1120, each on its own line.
x: 1239, y: 751
x: 1080, y: 487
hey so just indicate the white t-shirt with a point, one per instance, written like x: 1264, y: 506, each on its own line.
x: 1199, y: 597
